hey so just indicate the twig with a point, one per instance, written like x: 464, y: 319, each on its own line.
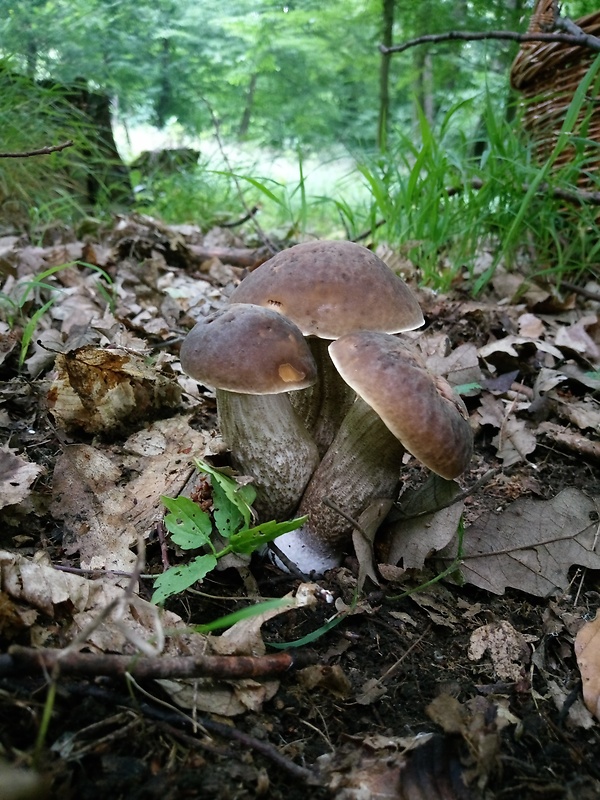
x: 366, y: 234
x: 43, y: 151
x: 583, y: 39
x: 28, y: 660
x: 265, y: 239
x: 580, y: 290
x: 254, y: 210
x: 171, y: 718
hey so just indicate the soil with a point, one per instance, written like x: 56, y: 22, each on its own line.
x: 388, y: 703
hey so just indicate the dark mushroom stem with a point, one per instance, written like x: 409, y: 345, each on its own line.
x: 323, y: 406
x: 363, y: 463
x: 269, y: 442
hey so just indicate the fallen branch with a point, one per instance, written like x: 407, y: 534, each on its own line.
x: 43, y: 151
x: 582, y: 39
x: 236, y: 256
x: 28, y: 660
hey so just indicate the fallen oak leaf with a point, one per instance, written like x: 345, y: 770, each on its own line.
x: 587, y: 652
x: 16, y: 476
x: 531, y: 544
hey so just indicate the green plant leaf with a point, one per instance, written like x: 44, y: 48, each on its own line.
x: 227, y: 515
x: 189, y: 526
x: 249, y: 539
x: 244, y: 613
x: 241, y: 497
x: 29, y: 329
x: 177, y: 579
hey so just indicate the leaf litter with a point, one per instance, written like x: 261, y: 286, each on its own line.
x: 464, y: 675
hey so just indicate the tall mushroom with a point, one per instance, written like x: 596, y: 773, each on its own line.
x: 329, y: 289
x: 400, y: 407
x: 253, y: 357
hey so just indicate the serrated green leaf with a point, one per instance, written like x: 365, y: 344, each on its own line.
x: 248, y: 540
x: 240, y: 496
x: 189, y: 526
x: 177, y: 579
x: 228, y: 517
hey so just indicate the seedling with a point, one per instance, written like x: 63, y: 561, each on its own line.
x: 191, y: 528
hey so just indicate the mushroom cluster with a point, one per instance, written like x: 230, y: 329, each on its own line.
x: 318, y: 399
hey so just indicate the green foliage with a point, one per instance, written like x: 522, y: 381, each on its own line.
x: 444, y: 205
x: 23, y: 306
x: 191, y: 528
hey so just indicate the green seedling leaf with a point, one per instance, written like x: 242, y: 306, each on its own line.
x: 227, y: 515
x: 249, y: 539
x: 241, y: 497
x: 177, y: 579
x: 468, y: 389
x: 29, y: 329
x: 313, y: 635
x: 244, y: 613
x: 189, y: 526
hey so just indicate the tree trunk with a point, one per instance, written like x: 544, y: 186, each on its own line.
x: 247, y: 115
x: 384, y: 74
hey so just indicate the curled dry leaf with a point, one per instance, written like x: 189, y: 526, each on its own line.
x: 507, y: 648
x: 587, y: 651
x: 108, y: 390
x: 531, y: 544
x: 16, y: 476
x: 106, y: 502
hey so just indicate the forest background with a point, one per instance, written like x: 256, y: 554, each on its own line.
x: 290, y: 107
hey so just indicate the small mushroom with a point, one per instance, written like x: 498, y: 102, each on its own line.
x: 400, y: 407
x: 329, y: 289
x: 253, y: 356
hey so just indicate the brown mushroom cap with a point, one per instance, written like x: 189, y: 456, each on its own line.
x: 332, y: 288
x: 248, y: 349
x: 420, y: 410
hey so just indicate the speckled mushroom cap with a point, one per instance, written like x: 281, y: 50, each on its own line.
x: 332, y: 288
x: 248, y: 349
x: 420, y: 409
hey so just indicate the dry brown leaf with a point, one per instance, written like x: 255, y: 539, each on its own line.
x: 425, y: 521
x: 583, y: 337
x: 587, y: 651
x: 103, y: 513
x: 231, y: 698
x: 531, y: 326
x: 507, y: 648
x: 514, y: 441
x: 36, y: 582
x: 531, y: 544
x: 108, y: 390
x: 16, y: 476
x: 583, y: 413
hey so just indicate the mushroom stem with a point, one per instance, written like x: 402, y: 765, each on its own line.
x: 362, y: 463
x: 323, y: 406
x: 269, y: 442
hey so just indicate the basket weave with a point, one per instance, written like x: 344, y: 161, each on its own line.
x: 547, y: 74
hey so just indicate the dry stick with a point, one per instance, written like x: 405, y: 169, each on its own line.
x: 254, y: 210
x: 28, y: 660
x: 43, y: 151
x: 265, y: 239
x: 582, y: 38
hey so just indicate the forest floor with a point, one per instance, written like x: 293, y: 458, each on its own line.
x: 466, y: 687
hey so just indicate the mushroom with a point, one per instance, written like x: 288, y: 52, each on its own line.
x: 253, y: 356
x: 400, y: 407
x: 329, y: 289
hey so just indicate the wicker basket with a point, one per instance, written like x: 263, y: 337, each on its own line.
x: 547, y: 75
